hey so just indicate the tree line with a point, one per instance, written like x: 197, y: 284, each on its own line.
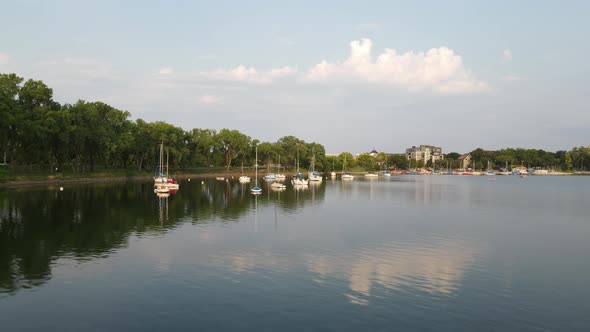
x: 577, y: 159
x: 37, y: 132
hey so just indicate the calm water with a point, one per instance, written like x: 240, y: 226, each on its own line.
x: 431, y: 253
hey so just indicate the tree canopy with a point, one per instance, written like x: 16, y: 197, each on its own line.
x: 37, y: 132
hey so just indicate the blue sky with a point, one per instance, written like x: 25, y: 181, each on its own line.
x: 352, y: 76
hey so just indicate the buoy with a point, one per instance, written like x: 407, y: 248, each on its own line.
x: 61, y: 188
x: 202, y: 182
x: 226, y: 180
x: 189, y: 180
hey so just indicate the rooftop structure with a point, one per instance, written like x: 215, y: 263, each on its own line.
x: 425, y: 152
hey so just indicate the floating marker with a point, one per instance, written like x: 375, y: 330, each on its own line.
x: 189, y: 179
x: 61, y: 188
x: 202, y: 182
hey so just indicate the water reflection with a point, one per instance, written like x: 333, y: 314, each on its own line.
x: 436, y: 268
x: 40, y: 225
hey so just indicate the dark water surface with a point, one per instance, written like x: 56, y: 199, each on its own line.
x: 429, y: 253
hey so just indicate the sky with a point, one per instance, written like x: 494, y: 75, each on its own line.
x: 353, y: 76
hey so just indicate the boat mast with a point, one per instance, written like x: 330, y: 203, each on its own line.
x: 161, y: 160
x: 297, y: 159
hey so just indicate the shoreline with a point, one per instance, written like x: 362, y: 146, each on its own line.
x: 230, y: 174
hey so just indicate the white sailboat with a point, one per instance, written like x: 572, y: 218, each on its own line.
x: 244, y: 178
x: 333, y: 174
x: 298, y: 179
x: 279, y: 176
x: 345, y: 174
x: 256, y: 190
x: 313, y: 175
x: 161, y: 179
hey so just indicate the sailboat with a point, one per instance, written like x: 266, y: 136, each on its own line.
x: 298, y: 179
x: 244, y: 178
x: 256, y: 190
x: 313, y: 175
x: 161, y: 179
x: 490, y: 172
x: 269, y: 176
x: 345, y: 174
x: 279, y: 176
x: 333, y: 174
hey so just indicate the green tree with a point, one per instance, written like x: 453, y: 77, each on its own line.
x: 367, y: 162
x: 569, y: 165
x: 202, y: 144
x: 347, y: 160
x: 9, y: 107
x: 232, y: 144
x: 399, y: 161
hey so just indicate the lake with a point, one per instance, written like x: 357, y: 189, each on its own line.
x: 428, y: 253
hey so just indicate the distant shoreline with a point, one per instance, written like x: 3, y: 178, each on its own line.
x: 225, y: 174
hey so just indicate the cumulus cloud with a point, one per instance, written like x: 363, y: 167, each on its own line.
x: 249, y: 74
x: 438, y: 69
x: 209, y: 99
x: 166, y: 71
x: 507, y: 55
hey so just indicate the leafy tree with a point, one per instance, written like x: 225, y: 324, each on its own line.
x: 452, y: 156
x: 232, y: 144
x: 399, y: 161
x: 9, y: 108
x: 202, y: 145
x: 569, y: 165
x: 347, y: 160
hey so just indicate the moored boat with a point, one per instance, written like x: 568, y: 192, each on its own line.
x: 162, y: 179
x: 256, y: 190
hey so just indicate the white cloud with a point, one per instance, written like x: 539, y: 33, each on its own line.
x: 166, y: 71
x: 438, y: 69
x: 249, y: 74
x: 4, y: 58
x: 507, y: 55
x: 209, y: 99
x: 281, y: 72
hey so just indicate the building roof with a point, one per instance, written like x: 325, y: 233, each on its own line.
x: 374, y: 151
x: 463, y: 156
